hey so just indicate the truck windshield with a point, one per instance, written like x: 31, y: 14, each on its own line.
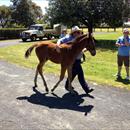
x: 33, y: 27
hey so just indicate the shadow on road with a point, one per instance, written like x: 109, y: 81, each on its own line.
x: 67, y: 101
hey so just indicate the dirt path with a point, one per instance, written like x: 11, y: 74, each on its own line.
x: 24, y: 107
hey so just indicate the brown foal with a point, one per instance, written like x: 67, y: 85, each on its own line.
x: 46, y: 50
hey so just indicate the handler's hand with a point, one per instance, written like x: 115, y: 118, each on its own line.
x: 58, y: 48
x: 127, y: 44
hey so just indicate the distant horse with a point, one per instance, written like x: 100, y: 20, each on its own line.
x: 46, y: 50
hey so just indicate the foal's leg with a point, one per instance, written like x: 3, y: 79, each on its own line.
x: 39, y: 68
x: 35, y: 79
x: 62, y: 74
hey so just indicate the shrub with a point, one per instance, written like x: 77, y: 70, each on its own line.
x: 10, y: 33
x: 106, y: 44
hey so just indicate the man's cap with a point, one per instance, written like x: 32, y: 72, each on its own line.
x: 64, y: 30
x: 75, y: 29
x: 125, y: 30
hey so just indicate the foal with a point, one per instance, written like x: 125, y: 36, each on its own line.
x: 68, y: 53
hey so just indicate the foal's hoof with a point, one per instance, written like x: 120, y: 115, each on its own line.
x: 74, y: 92
x: 35, y: 86
x: 52, y: 90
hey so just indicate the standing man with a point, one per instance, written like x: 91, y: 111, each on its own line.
x: 123, y: 44
x: 63, y: 33
x: 77, y: 68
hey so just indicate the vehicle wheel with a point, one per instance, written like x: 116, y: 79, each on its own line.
x: 33, y: 38
x: 41, y: 38
x: 49, y: 37
x: 24, y: 39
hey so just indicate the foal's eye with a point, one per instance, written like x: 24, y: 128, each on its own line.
x: 95, y: 40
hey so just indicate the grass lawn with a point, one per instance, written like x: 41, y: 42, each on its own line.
x: 107, y: 36
x: 100, y: 69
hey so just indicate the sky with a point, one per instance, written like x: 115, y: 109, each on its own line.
x: 41, y: 3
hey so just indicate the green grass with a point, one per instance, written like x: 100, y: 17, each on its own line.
x: 100, y: 69
x: 107, y: 36
x: 15, y: 54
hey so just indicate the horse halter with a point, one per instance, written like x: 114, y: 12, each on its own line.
x: 91, y: 45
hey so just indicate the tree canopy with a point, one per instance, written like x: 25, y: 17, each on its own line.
x: 25, y: 12
x: 5, y: 15
x: 69, y: 12
x: 97, y: 12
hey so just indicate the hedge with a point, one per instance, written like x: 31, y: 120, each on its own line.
x: 106, y: 44
x: 10, y: 33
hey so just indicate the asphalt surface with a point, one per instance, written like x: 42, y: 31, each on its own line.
x: 4, y: 43
x: 24, y: 107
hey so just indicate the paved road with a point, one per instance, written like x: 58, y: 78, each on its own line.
x: 4, y: 43
x: 24, y: 107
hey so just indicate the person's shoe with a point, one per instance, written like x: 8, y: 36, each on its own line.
x: 89, y: 90
x: 127, y: 78
x: 118, y: 77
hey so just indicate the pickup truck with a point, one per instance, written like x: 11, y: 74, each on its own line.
x: 37, y: 31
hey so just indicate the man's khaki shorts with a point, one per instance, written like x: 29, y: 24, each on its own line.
x: 123, y: 59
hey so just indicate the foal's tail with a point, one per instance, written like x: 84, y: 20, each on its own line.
x: 29, y: 50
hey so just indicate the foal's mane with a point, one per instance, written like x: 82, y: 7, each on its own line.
x: 72, y: 43
x: 76, y: 40
x: 79, y: 39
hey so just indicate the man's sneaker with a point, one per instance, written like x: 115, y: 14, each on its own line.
x: 127, y: 78
x: 118, y: 77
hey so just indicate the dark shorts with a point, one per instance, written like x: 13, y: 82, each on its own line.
x: 123, y: 59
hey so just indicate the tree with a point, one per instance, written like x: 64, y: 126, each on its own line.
x: 112, y: 12
x: 71, y: 12
x: 126, y: 11
x: 5, y: 15
x: 25, y: 12
x: 37, y: 11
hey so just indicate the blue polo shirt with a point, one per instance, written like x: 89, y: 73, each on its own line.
x: 123, y: 50
x: 66, y: 39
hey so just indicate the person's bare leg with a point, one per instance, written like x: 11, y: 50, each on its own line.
x: 118, y: 75
x: 127, y: 71
x: 119, y: 70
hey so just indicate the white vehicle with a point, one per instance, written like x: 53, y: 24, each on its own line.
x: 127, y: 24
x: 37, y: 31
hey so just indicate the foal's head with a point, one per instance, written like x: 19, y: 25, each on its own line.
x: 86, y: 41
x: 90, y: 46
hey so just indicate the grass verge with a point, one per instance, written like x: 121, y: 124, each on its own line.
x: 100, y: 69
